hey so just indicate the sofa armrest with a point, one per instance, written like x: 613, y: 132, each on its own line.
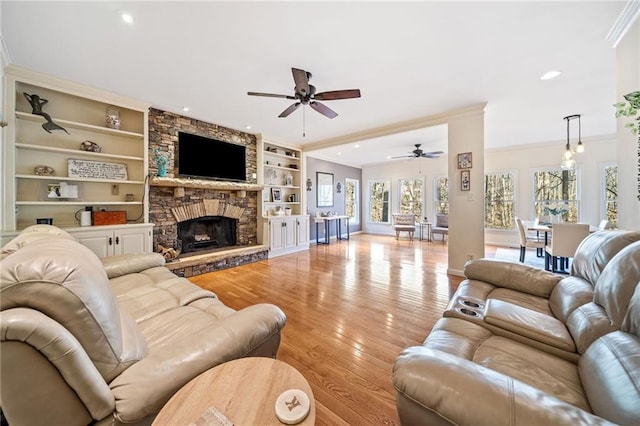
x: 511, y: 275
x: 454, y: 390
x: 62, y: 350
x: 116, y: 266
x: 190, y: 345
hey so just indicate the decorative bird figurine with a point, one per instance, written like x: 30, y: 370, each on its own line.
x: 36, y: 104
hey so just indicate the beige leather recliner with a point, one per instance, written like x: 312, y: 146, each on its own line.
x: 468, y: 373
x: 85, y: 340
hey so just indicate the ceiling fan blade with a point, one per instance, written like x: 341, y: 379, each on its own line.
x: 404, y: 156
x: 434, y: 153
x: 427, y: 155
x: 338, y: 94
x: 323, y: 109
x: 289, y: 110
x: 270, y: 95
x: 301, y: 78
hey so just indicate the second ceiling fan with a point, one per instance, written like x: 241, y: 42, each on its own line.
x: 305, y: 94
x: 419, y: 153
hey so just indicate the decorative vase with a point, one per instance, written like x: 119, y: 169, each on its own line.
x: 556, y: 218
x: 162, y: 170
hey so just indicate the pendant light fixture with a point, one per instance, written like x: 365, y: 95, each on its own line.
x: 568, y: 157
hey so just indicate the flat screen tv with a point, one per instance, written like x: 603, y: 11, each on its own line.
x: 207, y: 158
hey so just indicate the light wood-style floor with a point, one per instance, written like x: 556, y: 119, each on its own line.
x: 351, y: 307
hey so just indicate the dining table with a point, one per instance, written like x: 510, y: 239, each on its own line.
x: 547, y: 228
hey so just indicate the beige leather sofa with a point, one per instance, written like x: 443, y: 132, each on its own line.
x: 508, y: 370
x: 109, y: 341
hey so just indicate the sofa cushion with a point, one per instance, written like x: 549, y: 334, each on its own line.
x: 610, y: 373
x: 539, y: 369
x: 31, y: 234
x: 595, y: 251
x: 66, y: 281
x: 442, y: 221
x: 617, y: 284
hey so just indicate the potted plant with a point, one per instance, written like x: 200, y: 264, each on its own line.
x: 630, y: 108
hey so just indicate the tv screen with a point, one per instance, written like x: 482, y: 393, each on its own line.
x: 207, y: 158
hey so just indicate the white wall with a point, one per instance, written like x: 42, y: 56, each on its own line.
x: 523, y: 160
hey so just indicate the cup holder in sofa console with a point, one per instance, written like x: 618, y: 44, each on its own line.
x: 470, y: 304
x: 469, y: 312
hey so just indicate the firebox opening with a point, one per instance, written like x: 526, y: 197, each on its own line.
x: 207, y: 232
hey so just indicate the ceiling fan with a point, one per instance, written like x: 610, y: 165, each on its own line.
x: 418, y: 153
x: 305, y: 94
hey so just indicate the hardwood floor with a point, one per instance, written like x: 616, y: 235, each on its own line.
x: 351, y: 307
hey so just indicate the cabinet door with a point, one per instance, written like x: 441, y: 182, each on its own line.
x: 128, y: 241
x: 303, y: 230
x: 290, y: 232
x: 99, y: 242
x: 276, y: 234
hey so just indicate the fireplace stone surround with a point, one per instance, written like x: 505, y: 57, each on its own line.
x: 170, y: 195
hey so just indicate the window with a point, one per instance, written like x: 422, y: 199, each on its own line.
x: 379, y: 201
x: 499, y: 192
x: 411, y: 195
x: 441, y: 195
x: 352, y: 200
x: 556, y: 187
x: 611, y: 193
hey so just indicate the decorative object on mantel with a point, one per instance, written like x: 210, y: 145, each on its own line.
x: 112, y: 117
x: 43, y: 170
x: 90, y: 146
x: 568, y: 157
x: 36, y: 105
x: 631, y: 108
x: 288, y: 179
x: 161, y: 161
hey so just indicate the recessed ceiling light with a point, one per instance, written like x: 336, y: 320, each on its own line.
x: 550, y: 74
x: 357, y: 145
x: 185, y: 108
x: 126, y: 17
x: 339, y: 153
x: 248, y: 127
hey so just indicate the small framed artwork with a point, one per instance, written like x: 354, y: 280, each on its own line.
x: 465, y: 180
x: 275, y: 194
x: 464, y: 160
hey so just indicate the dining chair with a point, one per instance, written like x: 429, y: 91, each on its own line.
x: 526, y: 240
x: 565, y: 239
x: 605, y: 224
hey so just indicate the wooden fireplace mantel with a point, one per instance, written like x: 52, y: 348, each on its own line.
x: 204, y: 184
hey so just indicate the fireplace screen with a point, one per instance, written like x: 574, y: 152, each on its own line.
x: 206, y: 233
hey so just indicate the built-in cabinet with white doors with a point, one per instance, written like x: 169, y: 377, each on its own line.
x: 93, y: 152
x: 285, y: 229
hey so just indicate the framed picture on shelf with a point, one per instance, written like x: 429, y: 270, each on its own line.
x: 275, y: 194
x: 465, y: 180
x: 464, y: 161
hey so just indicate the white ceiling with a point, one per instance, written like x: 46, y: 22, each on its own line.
x: 409, y: 60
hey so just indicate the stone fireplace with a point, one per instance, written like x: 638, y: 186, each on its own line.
x: 206, y: 233
x: 219, y: 217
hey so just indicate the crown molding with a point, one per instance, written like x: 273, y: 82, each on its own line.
x: 625, y: 21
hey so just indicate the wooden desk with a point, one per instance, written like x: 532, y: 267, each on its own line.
x: 326, y: 220
x: 244, y: 390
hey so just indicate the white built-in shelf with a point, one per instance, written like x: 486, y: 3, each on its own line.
x: 271, y: 166
x: 41, y: 177
x: 281, y: 155
x: 80, y: 126
x: 76, y: 152
x: 282, y: 186
x: 283, y: 202
x: 78, y: 203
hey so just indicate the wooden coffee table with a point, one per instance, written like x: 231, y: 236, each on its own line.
x: 244, y: 390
